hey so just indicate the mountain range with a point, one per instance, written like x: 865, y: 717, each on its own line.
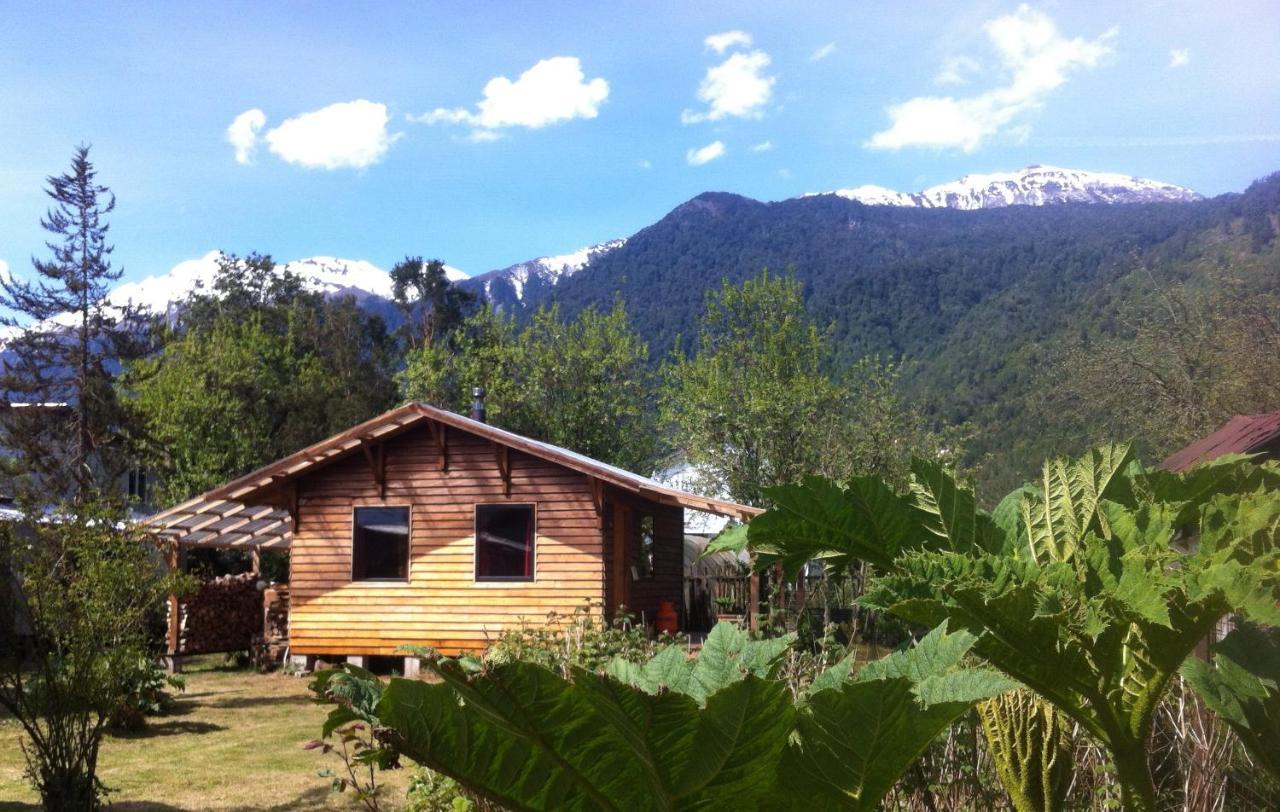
x: 976, y: 283
x: 533, y: 281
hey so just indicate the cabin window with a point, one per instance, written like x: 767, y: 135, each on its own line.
x: 504, y: 542
x: 380, y: 544
x: 642, y: 565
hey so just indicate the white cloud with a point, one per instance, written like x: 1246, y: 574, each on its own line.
x: 702, y: 155
x: 550, y: 92
x: 345, y: 135
x: 1179, y: 57
x: 957, y: 70
x: 763, y: 146
x: 1038, y: 60
x: 823, y: 52
x: 736, y: 87
x: 646, y: 164
x: 729, y: 39
x: 243, y: 134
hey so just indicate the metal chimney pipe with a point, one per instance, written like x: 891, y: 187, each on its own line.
x: 477, y: 405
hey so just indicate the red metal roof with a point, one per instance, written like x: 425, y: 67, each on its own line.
x: 1242, y: 434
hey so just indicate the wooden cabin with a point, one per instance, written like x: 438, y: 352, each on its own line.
x: 426, y: 527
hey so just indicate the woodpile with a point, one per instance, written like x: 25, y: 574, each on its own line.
x: 225, y: 614
x: 272, y: 641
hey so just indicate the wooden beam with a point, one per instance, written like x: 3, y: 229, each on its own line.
x: 597, y: 495
x: 503, y: 456
x: 441, y: 434
x: 376, y: 457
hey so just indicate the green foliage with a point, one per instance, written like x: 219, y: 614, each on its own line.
x: 82, y: 588
x: 1030, y: 745
x: 65, y: 443
x: 583, y: 384
x: 257, y: 369
x: 985, y: 305
x: 432, y: 306
x: 717, y: 732
x: 759, y: 404
x: 1242, y: 685
x: 146, y: 694
x: 1077, y: 588
x: 580, y: 640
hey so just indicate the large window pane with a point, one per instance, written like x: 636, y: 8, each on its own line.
x: 380, y: 544
x: 504, y: 542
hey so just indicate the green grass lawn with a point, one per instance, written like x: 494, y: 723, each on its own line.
x: 233, y: 741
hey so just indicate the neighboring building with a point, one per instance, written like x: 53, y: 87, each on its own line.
x: 425, y: 527
x: 1242, y: 434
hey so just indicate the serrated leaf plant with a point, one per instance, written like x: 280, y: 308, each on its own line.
x: 1090, y: 587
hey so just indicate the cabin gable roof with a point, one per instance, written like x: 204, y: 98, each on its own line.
x: 263, y: 485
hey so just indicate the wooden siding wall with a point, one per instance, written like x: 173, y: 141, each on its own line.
x: 667, y: 582
x: 441, y: 605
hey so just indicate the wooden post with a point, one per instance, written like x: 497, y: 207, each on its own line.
x: 255, y: 558
x: 173, y: 658
x: 753, y: 602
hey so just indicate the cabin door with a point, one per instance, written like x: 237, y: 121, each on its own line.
x: 621, y: 557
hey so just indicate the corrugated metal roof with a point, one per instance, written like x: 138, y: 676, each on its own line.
x: 1242, y: 434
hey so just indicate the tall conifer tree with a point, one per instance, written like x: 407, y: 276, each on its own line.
x: 63, y: 416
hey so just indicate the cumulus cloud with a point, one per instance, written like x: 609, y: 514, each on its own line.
x: 1179, y: 57
x: 243, y: 134
x: 347, y: 135
x: 702, y: 155
x: 823, y: 52
x: 1037, y: 59
x: 729, y: 39
x: 737, y: 87
x: 763, y: 146
x: 553, y: 91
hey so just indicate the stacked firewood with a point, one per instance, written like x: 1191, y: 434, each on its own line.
x: 223, y: 615
x: 271, y: 643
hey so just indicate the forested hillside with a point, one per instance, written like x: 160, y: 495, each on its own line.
x: 979, y: 303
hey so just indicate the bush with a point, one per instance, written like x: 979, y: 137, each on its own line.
x: 146, y: 694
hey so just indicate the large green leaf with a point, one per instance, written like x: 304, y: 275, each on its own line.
x: 523, y: 736
x: 728, y: 655
x: 854, y: 739
x: 818, y: 519
x: 1057, y: 516
x: 1242, y: 685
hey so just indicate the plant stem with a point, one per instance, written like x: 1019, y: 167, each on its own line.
x: 1137, y: 793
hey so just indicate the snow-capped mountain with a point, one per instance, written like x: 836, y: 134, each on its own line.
x: 1032, y: 186
x: 515, y: 281
x: 329, y: 275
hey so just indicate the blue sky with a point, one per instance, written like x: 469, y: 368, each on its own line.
x: 375, y: 130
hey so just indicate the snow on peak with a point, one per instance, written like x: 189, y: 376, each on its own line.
x: 329, y: 275
x: 1035, y: 185
x: 549, y: 270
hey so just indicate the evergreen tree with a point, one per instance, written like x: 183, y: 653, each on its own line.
x: 62, y: 414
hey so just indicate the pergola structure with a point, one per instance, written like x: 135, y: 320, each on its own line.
x: 217, y: 523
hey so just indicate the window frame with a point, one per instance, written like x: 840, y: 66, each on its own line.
x: 476, y: 578
x: 408, y: 564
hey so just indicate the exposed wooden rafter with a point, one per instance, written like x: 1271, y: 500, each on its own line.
x: 503, y: 456
x: 375, y: 455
